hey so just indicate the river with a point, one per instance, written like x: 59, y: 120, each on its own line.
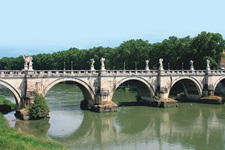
x: 189, y: 126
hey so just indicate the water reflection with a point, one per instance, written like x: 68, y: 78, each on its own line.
x: 36, y: 128
x: 189, y: 126
x: 144, y: 127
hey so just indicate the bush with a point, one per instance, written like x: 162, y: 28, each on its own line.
x: 39, y: 108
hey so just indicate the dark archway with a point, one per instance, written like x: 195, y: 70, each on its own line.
x: 135, y: 90
x: 185, y: 90
x: 220, y: 88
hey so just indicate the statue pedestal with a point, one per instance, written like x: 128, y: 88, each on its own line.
x: 103, y: 68
x: 92, y: 68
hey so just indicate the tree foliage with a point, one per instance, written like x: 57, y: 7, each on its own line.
x: 176, y: 52
x: 39, y: 108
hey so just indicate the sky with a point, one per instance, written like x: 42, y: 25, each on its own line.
x: 46, y: 26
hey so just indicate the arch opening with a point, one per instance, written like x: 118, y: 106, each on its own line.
x: 220, y: 88
x: 132, y: 92
x: 185, y: 90
x: 8, y: 101
x: 14, y: 97
x: 64, y: 100
x: 88, y: 93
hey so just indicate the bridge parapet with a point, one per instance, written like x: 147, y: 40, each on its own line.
x: 129, y: 72
x: 216, y: 72
x: 183, y: 72
x: 62, y: 73
x: 12, y: 73
x: 57, y: 73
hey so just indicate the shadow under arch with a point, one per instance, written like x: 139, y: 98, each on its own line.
x: 187, y: 89
x: 219, y: 87
x: 86, y: 90
x: 145, y: 90
x: 14, y: 92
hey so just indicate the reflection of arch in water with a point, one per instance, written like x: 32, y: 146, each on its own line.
x: 65, y: 123
x: 86, y: 90
x: 131, y: 122
x: 190, y: 87
x: 162, y: 125
x: 37, y: 128
x: 144, y: 88
x: 14, y: 92
x: 83, y: 131
x: 188, y: 115
x: 102, y: 128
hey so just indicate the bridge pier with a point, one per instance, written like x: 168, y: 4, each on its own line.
x: 208, y: 88
x: 103, y: 95
x: 162, y: 90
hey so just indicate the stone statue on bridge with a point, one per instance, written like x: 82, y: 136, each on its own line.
x: 102, y: 63
x: 191, y: 65
x: 92, y: 64
x: 147, y: 67
x: 28, y: 64
x: 161, y: 64
x: 207, y: 64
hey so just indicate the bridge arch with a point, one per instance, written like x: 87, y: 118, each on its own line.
x: 14, y: 92
x: 216, y: 85
x: 86, y: 90
x: 192, y: 87
x: 145, y: 89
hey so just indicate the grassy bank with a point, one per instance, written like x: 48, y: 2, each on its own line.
x: 10, y: 139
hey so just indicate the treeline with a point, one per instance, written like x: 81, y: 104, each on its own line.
x: 176, y: 54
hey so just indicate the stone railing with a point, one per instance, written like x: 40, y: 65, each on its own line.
x: 12, y: 73
x: 58, y: 73
x: 129, y: 72
x: 183, y: 72
x: 216, y: 72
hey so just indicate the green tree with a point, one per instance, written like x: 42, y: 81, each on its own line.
x: 133, y: 53
x: 39, y: 108
x: 207, y: 46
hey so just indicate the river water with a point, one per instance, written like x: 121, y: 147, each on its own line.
x: 189, y: 126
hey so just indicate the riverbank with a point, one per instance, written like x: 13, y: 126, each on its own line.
x: 13, y: 140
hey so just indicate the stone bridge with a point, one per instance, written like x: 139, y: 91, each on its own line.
x: 98, y: 86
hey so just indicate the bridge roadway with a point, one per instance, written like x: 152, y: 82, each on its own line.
x: 98, y: 86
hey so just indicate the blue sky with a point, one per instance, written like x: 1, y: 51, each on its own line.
x: 45, y: 26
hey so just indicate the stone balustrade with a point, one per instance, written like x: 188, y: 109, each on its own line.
x: 58, y: 73
x: 129, y: 72
x: 12, y: 73
x: 183, y: 72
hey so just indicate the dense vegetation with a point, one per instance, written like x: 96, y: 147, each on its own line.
x: 39, y: 108
x: 176, y: 52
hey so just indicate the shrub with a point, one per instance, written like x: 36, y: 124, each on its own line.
x: 39, y: 108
